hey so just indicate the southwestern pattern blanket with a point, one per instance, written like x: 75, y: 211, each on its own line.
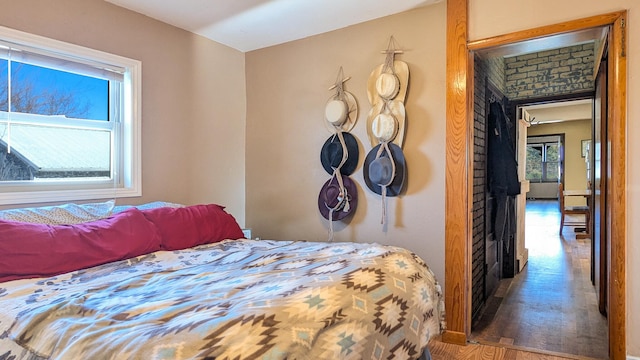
x: 243, y: 299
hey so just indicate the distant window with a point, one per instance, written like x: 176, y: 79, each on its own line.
x: 69, y: 121
x: 543, y: 162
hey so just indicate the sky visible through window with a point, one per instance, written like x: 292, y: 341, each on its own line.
x: 63, y: 93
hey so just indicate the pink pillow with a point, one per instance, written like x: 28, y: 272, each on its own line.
x: 38, y: 250
x: 188, y: 226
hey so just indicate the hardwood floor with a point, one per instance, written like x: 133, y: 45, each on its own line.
x: 442, y: 351
x: 551, y: 305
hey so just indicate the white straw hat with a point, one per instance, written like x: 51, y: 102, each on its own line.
x: 394, y: 108
x: 400, y: 70
x: 384, y: 127
x: 387, y: 85
x: 336, y: 112
x: 338, y: 117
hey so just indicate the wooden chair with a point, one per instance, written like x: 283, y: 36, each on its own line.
x: 571, y: 210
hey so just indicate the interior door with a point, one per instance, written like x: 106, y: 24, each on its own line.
x: 522, y: 253
x: 600, y: 155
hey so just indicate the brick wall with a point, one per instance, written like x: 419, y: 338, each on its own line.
x: 495, y: 71
x: 479, y: 186
x: 554, y: 72
x: 485, y: 71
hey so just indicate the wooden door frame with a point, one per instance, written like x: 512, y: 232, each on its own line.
x: 459, y: 169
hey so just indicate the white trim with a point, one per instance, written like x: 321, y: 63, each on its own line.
x: 629, y: 357
x: 64, y: 49
x: 66, y: 195
x: 54, y: 121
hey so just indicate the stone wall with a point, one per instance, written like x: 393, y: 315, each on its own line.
x: 561, y: 71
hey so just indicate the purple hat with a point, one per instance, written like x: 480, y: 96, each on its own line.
x: 330, y: 198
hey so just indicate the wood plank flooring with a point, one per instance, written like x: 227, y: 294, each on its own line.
x: 442, y: 351
x: 551, y: 305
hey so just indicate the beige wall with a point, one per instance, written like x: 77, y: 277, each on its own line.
x: 494, y: 17
x: 287, y: 88
x: 575, y: 167
x: 193, y: 96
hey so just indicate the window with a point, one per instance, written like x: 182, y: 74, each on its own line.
x: 543, y: 159
x: 69, y: 121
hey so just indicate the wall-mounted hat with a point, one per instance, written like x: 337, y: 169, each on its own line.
x: 336, y: 112
x: 380, y: 169
x: 401, y: 72
x: 339, y: 203
x: 341, y: 113
x: 384, y: 127
x: 387, y: 85
x: 394, y: 108
x: 332, y: 150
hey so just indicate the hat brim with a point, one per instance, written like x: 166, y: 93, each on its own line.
x: 352, y: 114
x: 401, y: 70
x: 397, y: 184
x: 352, y: 190
x: 352, y: 149
x: 398, y: 111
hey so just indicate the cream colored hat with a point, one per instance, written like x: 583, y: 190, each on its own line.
x: 401, y: 72
x: 387, y: 85
x: 384, y: 127
x: 394, y: 108
x: 341, y: 114
x: 336, y: 112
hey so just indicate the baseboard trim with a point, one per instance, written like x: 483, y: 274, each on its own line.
x: 454, y: 337
x: 629, y: 357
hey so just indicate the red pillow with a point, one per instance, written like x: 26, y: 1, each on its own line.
x: 188, y: 226
x: 37, y: 250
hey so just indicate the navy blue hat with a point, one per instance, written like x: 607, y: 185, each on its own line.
x: 378, y: 170
x: 331, y: 154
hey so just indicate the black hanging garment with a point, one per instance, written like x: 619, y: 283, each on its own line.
x: 502, y: 171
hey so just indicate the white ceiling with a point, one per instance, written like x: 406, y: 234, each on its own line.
x: 248, y: 25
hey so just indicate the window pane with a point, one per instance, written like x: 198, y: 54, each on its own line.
x: 43, y: 91
x: 48, y: 152
x: 552, y: 171
x: 553, y: 152
x: 534, y: 162
x: 4, y: 95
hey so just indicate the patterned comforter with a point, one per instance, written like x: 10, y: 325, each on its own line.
x: 243, y: 299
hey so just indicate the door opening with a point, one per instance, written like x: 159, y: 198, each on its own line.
x: 458, y: 221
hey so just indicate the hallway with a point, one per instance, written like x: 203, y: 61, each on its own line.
x: 551, y: 305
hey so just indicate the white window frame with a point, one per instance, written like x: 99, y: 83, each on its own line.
x: 128, y: 174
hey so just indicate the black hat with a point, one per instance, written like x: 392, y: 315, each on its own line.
x: 331, y: 154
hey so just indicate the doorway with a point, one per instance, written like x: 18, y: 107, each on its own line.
x: 458, y: 221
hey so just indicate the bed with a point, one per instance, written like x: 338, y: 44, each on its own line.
x: 215, y: 297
